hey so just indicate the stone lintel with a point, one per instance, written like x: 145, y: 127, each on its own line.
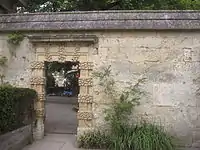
x: 63, y: 38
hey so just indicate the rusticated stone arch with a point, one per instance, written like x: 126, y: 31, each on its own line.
x: 56, y: 48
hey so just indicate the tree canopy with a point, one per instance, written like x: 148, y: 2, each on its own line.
x: 89, y: 5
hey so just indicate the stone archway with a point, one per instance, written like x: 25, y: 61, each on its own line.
x: 63, y: 48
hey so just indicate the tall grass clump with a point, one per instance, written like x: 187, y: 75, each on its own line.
x: 152, y: 137
x: 123, y: 135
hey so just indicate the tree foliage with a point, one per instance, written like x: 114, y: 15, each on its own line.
x: 89, y: 5
x: 16, y: 107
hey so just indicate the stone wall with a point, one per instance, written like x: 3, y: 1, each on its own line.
x: 170, y: 62
x: 168, y: 59
x: 17, y: 70
x: 17, y: 139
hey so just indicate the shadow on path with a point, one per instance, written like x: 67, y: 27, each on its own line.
x: 60, y: 116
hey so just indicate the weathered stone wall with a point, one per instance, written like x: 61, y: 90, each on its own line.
x: 170, y: 62
x: 168, y: 59
x: 17, y: 139
x: 17, y: 70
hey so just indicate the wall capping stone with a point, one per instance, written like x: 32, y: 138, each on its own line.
x: 63, y: 38
x: 102, y: 20
x: 17, y: 139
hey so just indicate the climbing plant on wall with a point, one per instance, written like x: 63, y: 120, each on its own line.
x: 122, y: 132
x: 14, y: 40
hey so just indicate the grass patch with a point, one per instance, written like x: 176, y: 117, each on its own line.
x: 142, y: 136
x: 152, y: 137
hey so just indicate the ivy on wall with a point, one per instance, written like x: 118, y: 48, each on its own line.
x: 15, y: 38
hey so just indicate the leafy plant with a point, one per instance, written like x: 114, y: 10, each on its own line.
x: 123, y: 135
x: 15, y: 38
x: 16, y: 107
x: 118, y: 115
x: 107, y: 83
x: 123, y: 138
x: 152, y: 137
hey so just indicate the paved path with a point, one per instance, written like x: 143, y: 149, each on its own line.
x: 55, y: 142
x: 60, y: 125
x: 60, y: 116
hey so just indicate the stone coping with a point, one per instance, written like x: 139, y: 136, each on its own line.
x: 102, y: 20
x: 17, y: 139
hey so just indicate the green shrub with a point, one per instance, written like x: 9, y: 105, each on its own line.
x: 16, y: 107
x: 123, y: 138
x: 15, y: 38
x: 143, y: 136
x: 122, y: 135
x: 152, y: 137
x: 94, y: 139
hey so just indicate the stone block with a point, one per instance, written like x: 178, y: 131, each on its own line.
x: 127, y: 42
x: 165, y: 94
x: 148, y: 41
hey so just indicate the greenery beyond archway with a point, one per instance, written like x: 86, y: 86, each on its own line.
x: 61, y: 69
